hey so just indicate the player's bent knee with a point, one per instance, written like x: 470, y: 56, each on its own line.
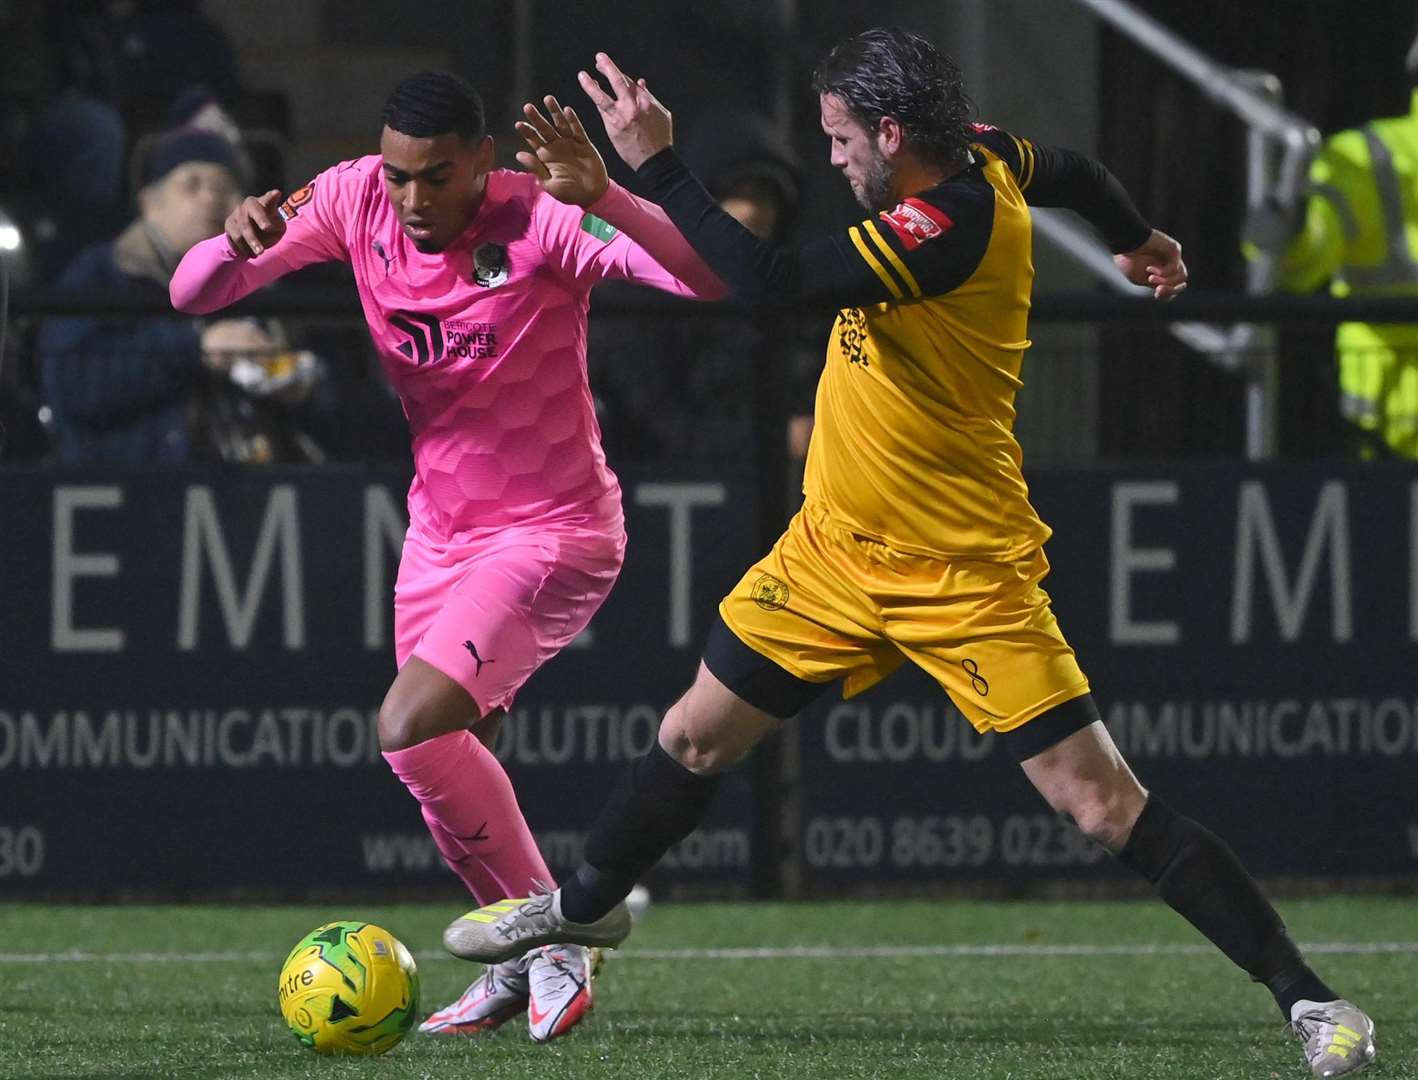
x: 401, y: 727
x: 702, y: 755
x: 1104, y: 813
x: 422, y: 704
x: 705, y: 742
x: 707, y: 760
x: 398, y: 729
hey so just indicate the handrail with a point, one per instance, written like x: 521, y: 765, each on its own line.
x: 1254, y: 98
x: 1222, y: 84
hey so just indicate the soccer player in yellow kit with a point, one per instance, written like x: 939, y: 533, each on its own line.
x: 916, y: 540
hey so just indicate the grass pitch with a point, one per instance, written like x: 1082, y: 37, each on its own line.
x: 1080, y: 990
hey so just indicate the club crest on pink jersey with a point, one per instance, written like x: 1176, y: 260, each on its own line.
x: 490, y: 265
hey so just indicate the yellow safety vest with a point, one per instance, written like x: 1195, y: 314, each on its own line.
x: 1361, y: 235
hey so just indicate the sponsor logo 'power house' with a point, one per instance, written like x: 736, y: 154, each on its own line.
x: 429, y: 341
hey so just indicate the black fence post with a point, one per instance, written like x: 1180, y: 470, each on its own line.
x: 772, y: 773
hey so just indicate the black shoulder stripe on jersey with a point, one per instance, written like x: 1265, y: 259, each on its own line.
x: 1004, y: 146
x: 868, y: 263
x: 1055, y: 176
x: 878, y: 254
x: 935, y: 239
x: 1026, y: 154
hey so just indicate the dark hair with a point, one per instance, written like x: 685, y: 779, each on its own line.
x: 886, y: 71
x: 435, y: 103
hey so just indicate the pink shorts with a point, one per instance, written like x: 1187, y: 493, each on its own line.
x: 488, y: 614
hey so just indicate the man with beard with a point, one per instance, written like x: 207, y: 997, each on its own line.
x: 917, y: 540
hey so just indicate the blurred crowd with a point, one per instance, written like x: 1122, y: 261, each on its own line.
x: 127, y: 136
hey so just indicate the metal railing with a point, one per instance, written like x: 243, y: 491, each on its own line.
x: 1279, y: 146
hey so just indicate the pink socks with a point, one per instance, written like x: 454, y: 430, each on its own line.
x: 471, y: 809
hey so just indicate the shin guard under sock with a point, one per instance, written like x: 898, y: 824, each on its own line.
x: 472, y: 812
x: 657, y: 803
x: 1199, y: 877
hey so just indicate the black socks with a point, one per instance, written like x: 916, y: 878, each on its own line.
x: 656, y: 804
x: 1199, y: 876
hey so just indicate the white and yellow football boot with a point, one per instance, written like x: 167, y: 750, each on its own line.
x: 1338, y: 1036
x: 497, y: 932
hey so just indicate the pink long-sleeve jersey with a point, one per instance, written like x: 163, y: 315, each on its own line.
x: 485, y: 342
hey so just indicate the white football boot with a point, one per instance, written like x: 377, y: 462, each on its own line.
x: 497, y: 932
x: 560, y: 978
x: 500, y: 994
x: 1338, y: 1036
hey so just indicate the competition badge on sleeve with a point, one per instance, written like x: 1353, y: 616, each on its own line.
x: 296, y: 200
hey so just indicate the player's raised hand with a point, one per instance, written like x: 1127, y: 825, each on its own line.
x: 561, y: 155
x: 255, y: 225
x: 638, y: 125
x: 1158, y: 264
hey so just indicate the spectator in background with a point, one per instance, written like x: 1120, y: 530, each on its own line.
x: 758, y: 183
x: 81, y: 80
x: 141, y: 55
x: 672, y: 389
x: 1357, y: 234
x: 62, y: 139
x: 198, y: 107
x: 134, y: 390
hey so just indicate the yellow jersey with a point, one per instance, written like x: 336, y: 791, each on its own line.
x: 913, y: 444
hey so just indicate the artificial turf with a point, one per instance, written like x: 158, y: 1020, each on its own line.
x: 175, y: 991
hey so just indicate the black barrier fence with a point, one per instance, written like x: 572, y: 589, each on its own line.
x: 1111, y: 378
x: 191, y: 662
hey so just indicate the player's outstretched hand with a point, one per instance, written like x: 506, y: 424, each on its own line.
x: 255, y: 225
x: 561, y: 155
x: 1158, y: 264
x: 638, y: 125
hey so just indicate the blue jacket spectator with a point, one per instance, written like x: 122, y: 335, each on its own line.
x: 122, y: 389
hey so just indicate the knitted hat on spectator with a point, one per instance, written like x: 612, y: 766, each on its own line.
x: 187, y: 144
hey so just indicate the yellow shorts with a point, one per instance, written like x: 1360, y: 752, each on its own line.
x: 828, y: 604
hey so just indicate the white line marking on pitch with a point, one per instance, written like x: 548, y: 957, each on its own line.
x: 800, y: 952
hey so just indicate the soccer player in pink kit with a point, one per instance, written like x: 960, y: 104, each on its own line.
x: 475, y: 285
